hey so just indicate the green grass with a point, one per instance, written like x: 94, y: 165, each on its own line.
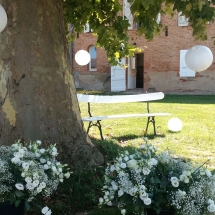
x: 196, y: 141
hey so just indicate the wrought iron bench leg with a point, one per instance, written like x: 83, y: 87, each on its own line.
x: 150, y: 119
x: 97, y: 124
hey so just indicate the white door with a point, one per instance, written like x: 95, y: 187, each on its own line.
x: 131, y: 73
x: 184, y: 70
x: 118, y: 79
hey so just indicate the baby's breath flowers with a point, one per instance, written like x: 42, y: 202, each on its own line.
x: 148, y: 179
x: 28, y: 171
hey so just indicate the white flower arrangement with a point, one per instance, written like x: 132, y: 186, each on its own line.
x: 28, y: 171
x: 147, y: 179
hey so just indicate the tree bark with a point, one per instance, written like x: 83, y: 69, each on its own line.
x: 37, y: 90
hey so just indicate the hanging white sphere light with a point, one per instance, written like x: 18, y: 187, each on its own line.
x: 199, y: 58
x: 175, y: 124
x: 3, y: 18
x: 82, y: 57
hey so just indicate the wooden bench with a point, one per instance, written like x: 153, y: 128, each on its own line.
x: 96, y: 120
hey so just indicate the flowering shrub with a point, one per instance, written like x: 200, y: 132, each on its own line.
x: 28, y: 171
x: 147, y: 179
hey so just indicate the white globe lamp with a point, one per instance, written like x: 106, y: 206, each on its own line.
x: 3, y: 18
x: 175, y: 125
x: 199, y: 58
x: 82, y: 57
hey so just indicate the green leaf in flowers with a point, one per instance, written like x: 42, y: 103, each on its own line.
x: 12, y: 199
x: 17, y: 203
x: 27, y: 206
x: 19, y: 193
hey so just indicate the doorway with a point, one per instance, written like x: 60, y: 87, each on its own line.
x: 140, y: 70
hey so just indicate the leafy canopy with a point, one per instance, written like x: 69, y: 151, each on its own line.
x: 111, y: 29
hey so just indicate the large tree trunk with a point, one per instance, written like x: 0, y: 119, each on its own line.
x: 37, y: 91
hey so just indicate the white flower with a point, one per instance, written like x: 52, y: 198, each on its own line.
x: 46, y: 211
x: 36, y: 183
x: 23, y: 174
x: 132, y: 164
x: 54, y: 153
x: 15, y: 160
x: 101, y: 200
x: 54, y: 149
x: 39, y: 189
x: 143, y: 146
x: 152, y: 162
x: 29, y: 186
x: 210, y: 201
x: 143, y: 194
x: 42, y: 151
x: 67, y: 175
x: 49, y: 212
x: 49, y: 163
x: 38, y: 142
x: 19, y: 186
x: 25, y: 166
x: 175, y: 183
x: 123, y: 165
x: 147, y: 201
x: 37, y: 154
x: 211, y: 208
x: 120, y: 192
x: 123, y: 211
x: 28, y: 180
x: 208, y: 173
x: 126, y: 158
x: 42, y: 160
x: 133, y: 191
x: 109, y: 203
x: 186, y: 180
x: 114, y: 186
x: 43, y: 184
x: 172, y: 179
x: 60, y: 169
x: 54, y: 169
x: 145, y: 171
x: 142, y: 188
x: 46, y: 166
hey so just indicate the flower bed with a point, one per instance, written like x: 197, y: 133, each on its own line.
x: 148, y: 179
x: 28, y: 171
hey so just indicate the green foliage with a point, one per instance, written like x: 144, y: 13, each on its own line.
x: 111, y: 29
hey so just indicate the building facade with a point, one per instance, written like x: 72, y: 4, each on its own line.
x: 160, y: 66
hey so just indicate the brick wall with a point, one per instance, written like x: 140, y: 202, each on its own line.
x: 161, y: 59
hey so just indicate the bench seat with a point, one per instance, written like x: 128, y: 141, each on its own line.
x: 95, y: 118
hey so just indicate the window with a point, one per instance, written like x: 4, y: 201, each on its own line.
x: 127, y: 13
x: 184, y: 70
x: 182, y: 20
x: 93, y: 55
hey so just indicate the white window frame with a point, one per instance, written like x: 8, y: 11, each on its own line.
x: 90, y: 68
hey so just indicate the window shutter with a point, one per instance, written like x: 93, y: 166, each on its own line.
x: 133, y: 63
x: 158, y: 18
x: 87, y: 28
x: 127, y: 13
x: 182, y: 20
x: 184, y: 70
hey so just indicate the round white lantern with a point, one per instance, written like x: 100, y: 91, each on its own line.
x: 3, y: 18
x: 199, y: 58
x: 82, y: 57
x: 175, y: 124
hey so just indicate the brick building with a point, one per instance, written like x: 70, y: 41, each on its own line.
x: 160, y: 67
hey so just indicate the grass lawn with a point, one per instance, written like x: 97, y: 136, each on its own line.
x: 196, y: 140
